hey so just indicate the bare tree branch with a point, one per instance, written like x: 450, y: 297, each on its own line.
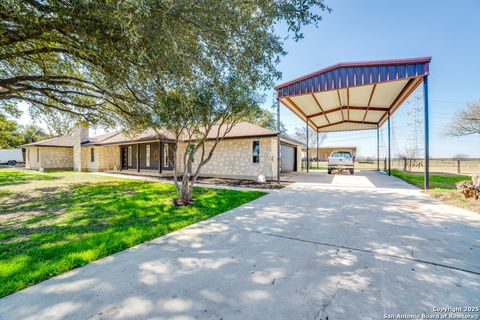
x: 466, y: 122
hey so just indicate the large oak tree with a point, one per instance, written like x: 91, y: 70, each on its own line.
x: 236, y: 50
x: 119, y: 61
x: 70, y: 56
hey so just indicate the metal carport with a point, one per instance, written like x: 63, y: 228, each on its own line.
x: 356, y: 96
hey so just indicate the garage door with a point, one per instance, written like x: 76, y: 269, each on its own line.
x: 288, y: 158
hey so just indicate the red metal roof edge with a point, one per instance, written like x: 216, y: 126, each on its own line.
x: 357, y: 64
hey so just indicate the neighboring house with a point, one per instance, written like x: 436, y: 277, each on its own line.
x: 246, y: 152
x: 324, y: 152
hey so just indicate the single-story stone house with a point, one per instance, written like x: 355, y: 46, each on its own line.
x: 247, y: 151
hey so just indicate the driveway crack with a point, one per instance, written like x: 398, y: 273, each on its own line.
x: 326, y: 304
x: 441, y: 265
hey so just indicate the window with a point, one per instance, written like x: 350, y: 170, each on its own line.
x: 165, y: 155
x: 256, y: 151
x: 147, y: 155
x: 129, y: 156
x: 92, y: 154
x: 340, y: 154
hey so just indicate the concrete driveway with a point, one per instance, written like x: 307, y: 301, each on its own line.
x: 327, y: 247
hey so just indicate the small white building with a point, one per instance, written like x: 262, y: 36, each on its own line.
x: 11, y: 156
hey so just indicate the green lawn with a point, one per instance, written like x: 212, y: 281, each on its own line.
x: 314, y: 166
x: 442, y: 186
x: 53, y: 222
x: 437, y: 181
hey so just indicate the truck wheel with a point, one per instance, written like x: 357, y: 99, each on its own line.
x: 12, y: 162
x: 351, y: 171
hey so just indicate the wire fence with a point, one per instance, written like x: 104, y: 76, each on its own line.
x: 470, y: 166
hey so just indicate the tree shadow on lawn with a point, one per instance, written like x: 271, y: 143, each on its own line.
x: 96, y: 221
x: 10, y: 177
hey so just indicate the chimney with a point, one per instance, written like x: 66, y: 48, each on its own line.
x: 80, y: 135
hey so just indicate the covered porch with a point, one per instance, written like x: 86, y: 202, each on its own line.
x: 151, y: 158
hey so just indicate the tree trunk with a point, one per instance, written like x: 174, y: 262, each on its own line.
x: 184, y: 192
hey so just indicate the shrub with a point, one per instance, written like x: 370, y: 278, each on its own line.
x: 469, y: 189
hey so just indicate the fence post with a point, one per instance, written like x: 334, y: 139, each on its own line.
x: 458, y: 166
x: 385, y: 164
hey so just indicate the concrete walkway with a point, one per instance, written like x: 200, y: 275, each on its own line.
x: 342, y: 247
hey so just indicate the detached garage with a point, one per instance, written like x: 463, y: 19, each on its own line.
x: 290, y: 155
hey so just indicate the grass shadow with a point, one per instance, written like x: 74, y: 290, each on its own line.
x: 98, y: 220
x: 13, y: 177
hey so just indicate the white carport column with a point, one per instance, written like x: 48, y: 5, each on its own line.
x: 378, y: 149
x: 278, y: 141
x: 308, y: 160
x: 427, y: 146
x: 389, y: 145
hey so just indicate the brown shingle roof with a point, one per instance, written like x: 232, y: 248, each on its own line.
x: 240, y: 130
x: 147, y: 135
x: 63, y: 141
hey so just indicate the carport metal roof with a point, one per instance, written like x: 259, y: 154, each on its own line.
x: 354, y: 95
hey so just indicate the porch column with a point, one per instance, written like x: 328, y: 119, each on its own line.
x: 318, y: 159
x: 308, y: 161
x: 138, y: 157
x: 121, y: 158
x: 378, y: 149
x: 159, y: 157
x: 389, y: 149
x: 278, y: 141
x: 162, y: 144
x: 426, y: 181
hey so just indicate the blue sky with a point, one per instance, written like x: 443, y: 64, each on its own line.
x: 370, y: 30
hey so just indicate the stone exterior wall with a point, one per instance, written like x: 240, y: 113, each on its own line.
x: 49, y: 158
x: 80, y: 134
x: 233, y: 159
x: 105, y: 158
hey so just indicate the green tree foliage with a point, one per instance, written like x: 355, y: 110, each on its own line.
x: 32, y: 133
x: 120, y: 61
x: 267, y: 119
x: 230, y: 53
x: 102, y: 60
x: 201, y: 117
x: 69, y: 56
x: 12, y: 135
